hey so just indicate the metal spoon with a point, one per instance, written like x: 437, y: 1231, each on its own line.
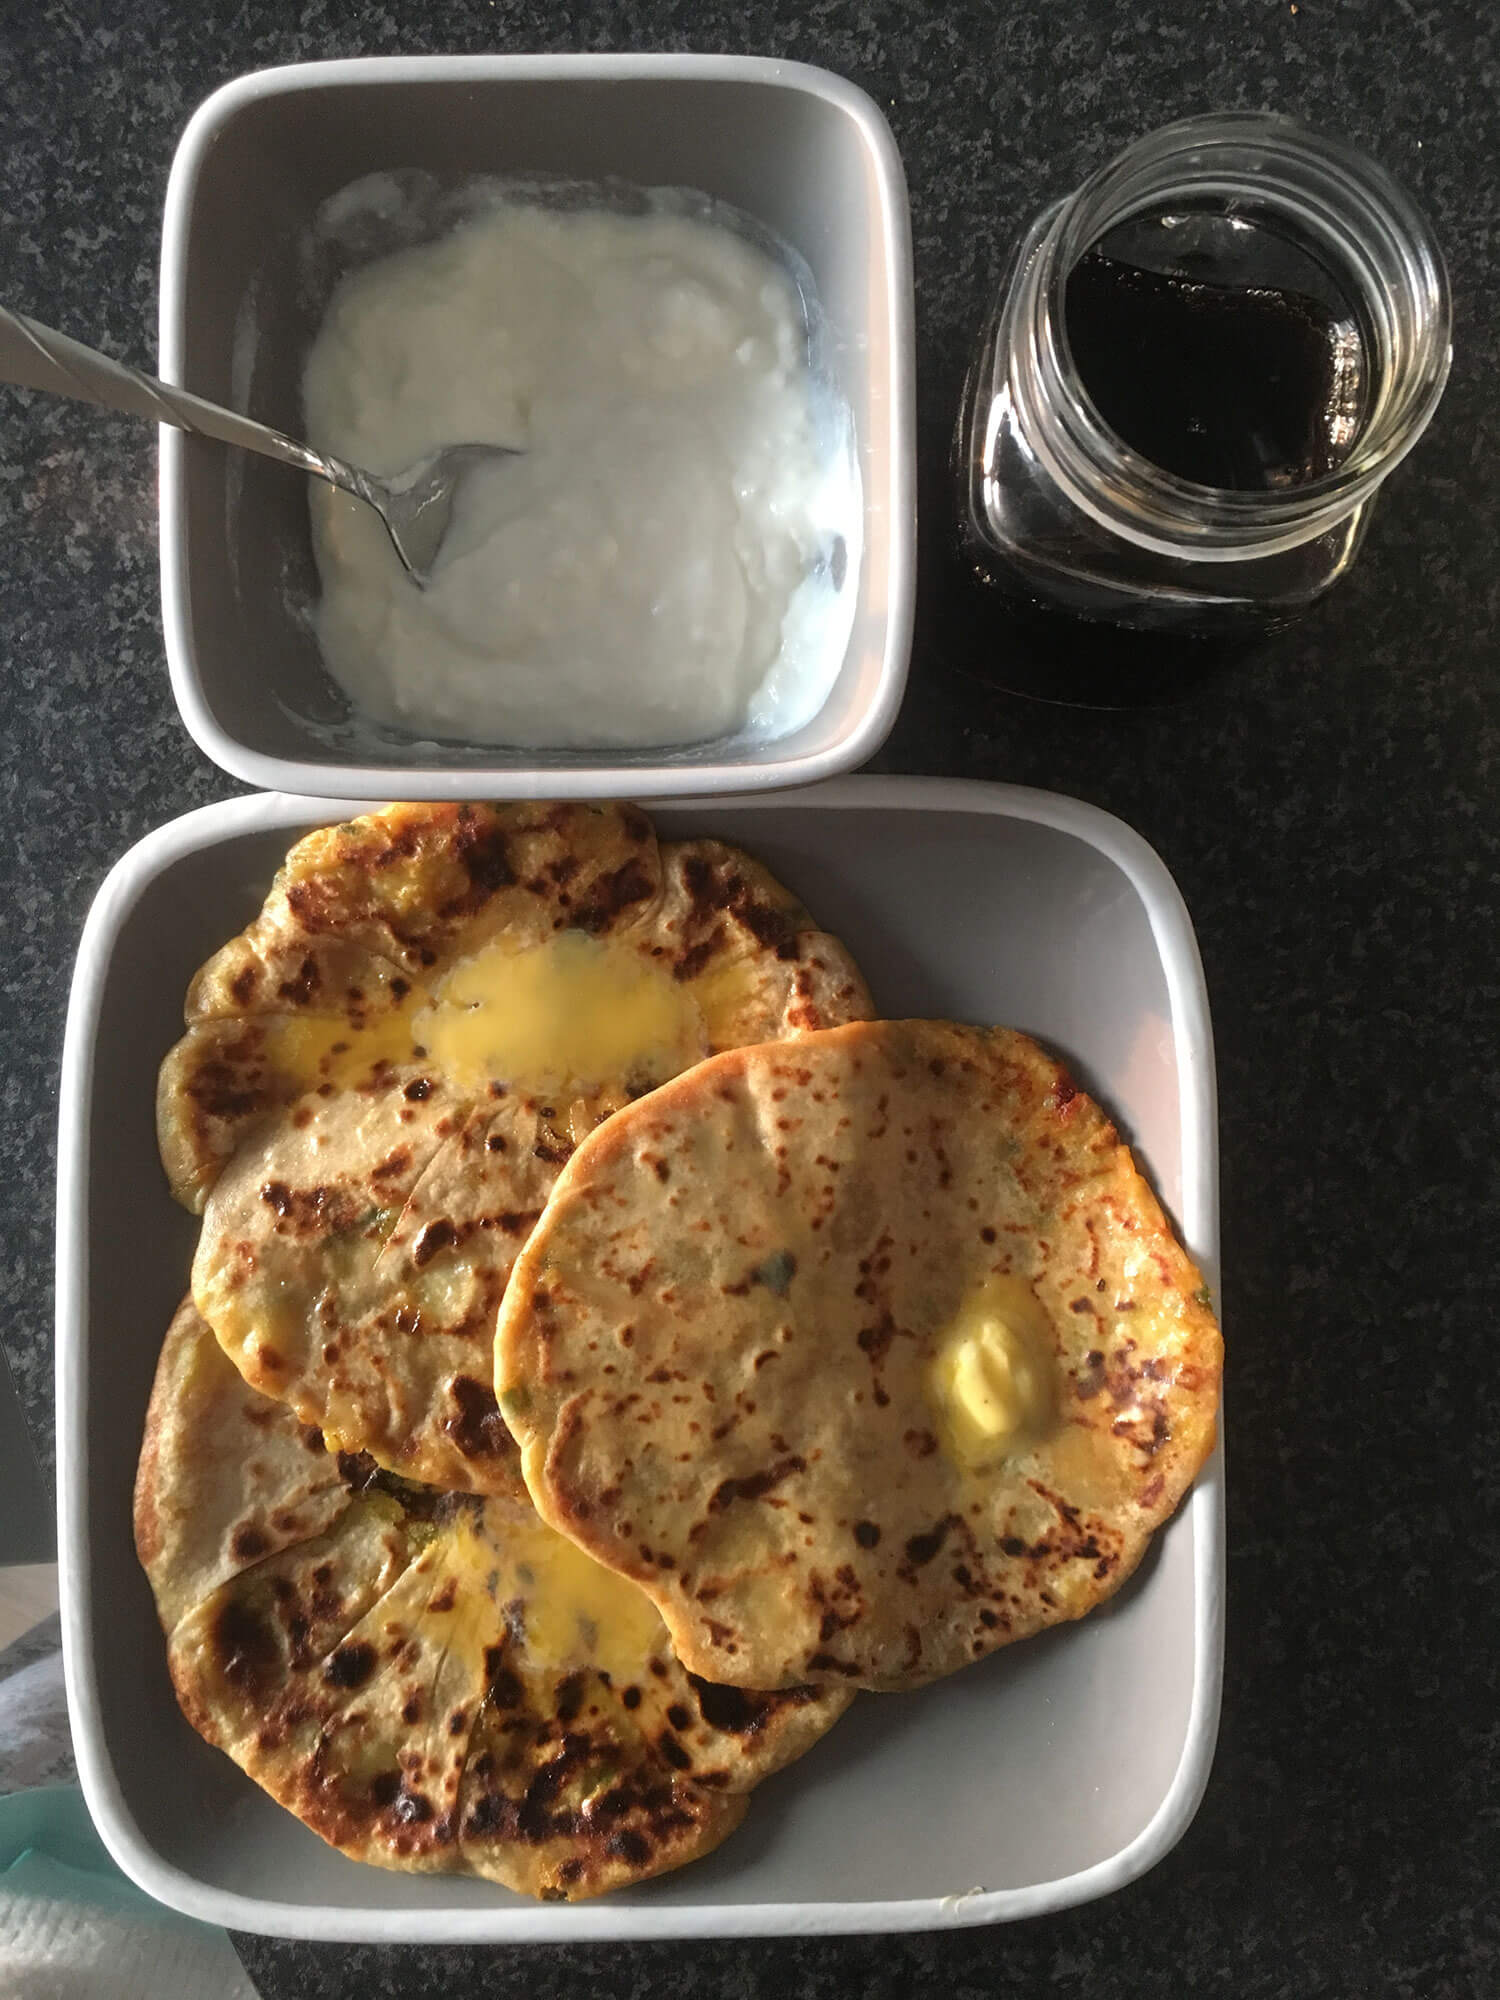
x: 415, y: 505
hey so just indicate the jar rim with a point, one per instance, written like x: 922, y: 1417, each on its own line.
x: 1383, y: 238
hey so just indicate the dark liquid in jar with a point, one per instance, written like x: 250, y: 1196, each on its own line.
x: 1220, y: 348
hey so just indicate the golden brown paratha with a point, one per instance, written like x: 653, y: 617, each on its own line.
x: 864, y: 1355
x: 430, y: 1681
x: 382, y: 1077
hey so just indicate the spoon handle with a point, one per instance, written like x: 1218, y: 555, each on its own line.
x: 36, y: 357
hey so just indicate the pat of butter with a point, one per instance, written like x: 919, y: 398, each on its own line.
x: 575, y: 1009
x: 992, y: 1378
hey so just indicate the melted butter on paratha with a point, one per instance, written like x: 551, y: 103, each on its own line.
x: 577, y: 1613
x: 430, y: 1681
x: 569, y: 1014
x: 574, y: 1010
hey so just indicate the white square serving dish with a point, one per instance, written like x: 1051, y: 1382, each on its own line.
x: 1007, y: 1790
x: 800, y: 151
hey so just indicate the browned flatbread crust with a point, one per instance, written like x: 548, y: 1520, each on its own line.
x: 720, y: 1353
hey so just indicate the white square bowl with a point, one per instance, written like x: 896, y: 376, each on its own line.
x: 1055, y: 1771
x: 797, y: 149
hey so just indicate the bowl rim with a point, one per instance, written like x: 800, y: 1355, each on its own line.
x: 1197, y: 1213
x: 602, y: 779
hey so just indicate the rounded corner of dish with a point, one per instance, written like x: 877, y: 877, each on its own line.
x: 206, y: 123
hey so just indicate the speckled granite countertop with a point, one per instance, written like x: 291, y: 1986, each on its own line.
x: 1331, y: 812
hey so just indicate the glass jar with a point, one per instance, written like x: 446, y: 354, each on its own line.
x: 1059, y: 511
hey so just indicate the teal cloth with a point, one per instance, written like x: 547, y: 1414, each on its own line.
x: 48, y: 1848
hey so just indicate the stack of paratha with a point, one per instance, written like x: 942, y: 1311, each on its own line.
x: 829, y: 1353
x: 380, y: 1082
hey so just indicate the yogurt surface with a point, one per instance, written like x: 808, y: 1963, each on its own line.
x: 672, y: 558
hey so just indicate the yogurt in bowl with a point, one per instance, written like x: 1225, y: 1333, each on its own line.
x: 669, y: 560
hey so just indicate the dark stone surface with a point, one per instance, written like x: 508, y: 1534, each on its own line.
x: 1331, y: 813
